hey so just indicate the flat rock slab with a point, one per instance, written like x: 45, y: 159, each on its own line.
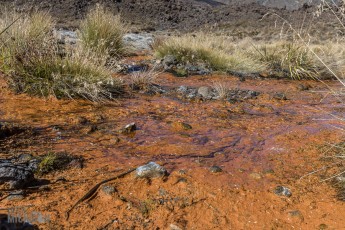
x: 16, y: 175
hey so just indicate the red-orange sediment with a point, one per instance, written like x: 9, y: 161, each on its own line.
x: 259, y: 143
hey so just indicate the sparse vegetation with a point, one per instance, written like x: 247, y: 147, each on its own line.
x: 55, y: 161
x: 214, y: 52
x: 277, y: 58
x: 102, y: 32
x: 142, y: 79
x: 221, y: 89
x: 287, y: 59
x: 33, y: 61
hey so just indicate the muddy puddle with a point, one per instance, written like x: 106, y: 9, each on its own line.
x: 259, y: 143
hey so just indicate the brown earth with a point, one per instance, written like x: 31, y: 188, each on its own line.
x: 259, y: 143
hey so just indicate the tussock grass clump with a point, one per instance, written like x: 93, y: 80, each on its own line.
x: 221, y: 89
x: 102, y: 32
x: 33, y: 61
x: 288, y: 59
x: 298, y: 61
x: 215, y: 52
x: 142, y: 79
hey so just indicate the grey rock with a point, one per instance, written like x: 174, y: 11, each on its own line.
x: 197, y: 70
x: 205, y: 92
x: 280, y: 96
x: 16, y: 195
x: 216, y: 169
x: 16, y: 175
x: 108, y: 190
x: 174, y: 227
x: 138, y: 41
x: 303, y: 87
x: 168, y: 61
x: 182, y: 89
x: 296, y: 215
x: 282, y: 191
x: 66, y: 36
x: 150, y: 170
x: 129, y: 128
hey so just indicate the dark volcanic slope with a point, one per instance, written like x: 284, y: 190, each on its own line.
x: 185, y: 15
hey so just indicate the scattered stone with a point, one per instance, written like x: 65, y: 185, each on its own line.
x: 296, y: 214
x: 17, y: 176
x: 255, y: 176
x: 182, y: 89
x: 138, y: 41
x: 134, y: 68
x: 280, y: 96
x: 174, y: 227
x: 282, y: 191
x: 205, y: 92
x: 181, y: 125
x: 24, y: 158
x: 108, y: 190
x: 150, y: 170
x: 182, y: 172
x: 235, y: 95
x: 181, y: 180
x: 129, y: 128
x: 216, y: 169
x: 197, y: 70
x: 323, y: 226
x: 168, y: 61
x: 16, y: 195
x: 303, y: 87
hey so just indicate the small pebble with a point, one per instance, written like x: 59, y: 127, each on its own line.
x: 280, y: 96
x: 216, y: 169
x: 129, y: 128
x: 174, y: 227
x: 255, y: 176
x: 108, y: 190
x: 282, y: 191
x: 150, y: 170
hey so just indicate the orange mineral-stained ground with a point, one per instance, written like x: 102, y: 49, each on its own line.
x: 259, y: 143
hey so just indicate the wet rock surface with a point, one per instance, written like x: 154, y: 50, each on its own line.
x: 215, y: 169
x: 150, y: 170
x: 128, y: 129
x: 282, y: 191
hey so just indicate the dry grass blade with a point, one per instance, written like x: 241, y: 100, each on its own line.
x: 142, y: 79
x: 221, y: 89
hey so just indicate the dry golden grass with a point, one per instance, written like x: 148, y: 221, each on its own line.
x: 142, y: 79
x: 102, y: 32
x: 32, y: 61
x: 216, y: 52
